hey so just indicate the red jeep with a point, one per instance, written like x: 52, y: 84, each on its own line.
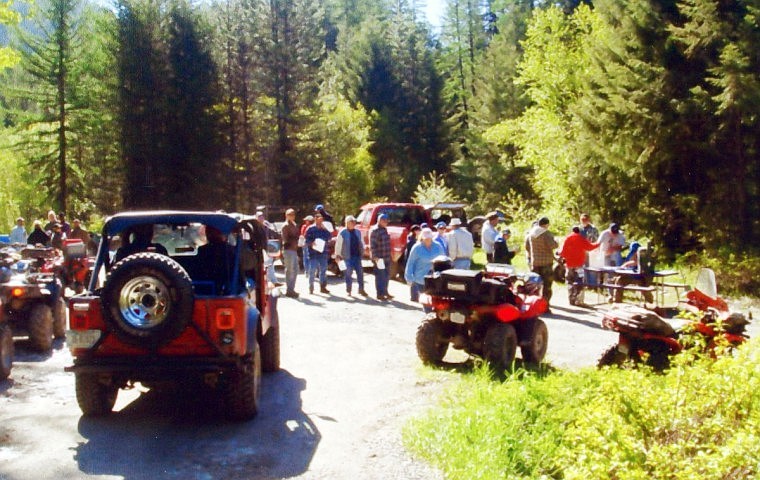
x: 191, y: 305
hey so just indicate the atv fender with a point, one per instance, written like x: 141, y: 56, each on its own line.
x: 253, y: 325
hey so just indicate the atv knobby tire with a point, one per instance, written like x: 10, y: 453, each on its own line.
x: 94, y: 397
x: 431, y: 341
x: 500, y: 346
x: 270, y: 350
x: 242, y: 388
x: 612, y: 357
x: 534, y: 348
x: 6, y: 351
x: 59, y: 318
x: 40, y: 326
x: 147, y: 299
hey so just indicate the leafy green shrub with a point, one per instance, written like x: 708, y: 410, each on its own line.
x: 736, y: 274
x: 698, y: 420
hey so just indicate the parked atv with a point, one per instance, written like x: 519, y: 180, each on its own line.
x: 32, y: 302
x: 74, y: 268
x: 651, y: 336
x: 488, y: 314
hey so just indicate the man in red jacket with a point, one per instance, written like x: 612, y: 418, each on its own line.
x: 574, y: 252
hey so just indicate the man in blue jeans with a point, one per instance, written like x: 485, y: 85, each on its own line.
x: 420, y: 262
x: 290, y: 236
x: 349, y: 247
x: 317, y: 238
x: 380, y: 248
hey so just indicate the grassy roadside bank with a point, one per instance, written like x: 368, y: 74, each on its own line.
x: 699, y: 420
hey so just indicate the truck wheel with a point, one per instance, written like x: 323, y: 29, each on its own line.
x: 59, y: 318
x: 270, y: 350
x: 534, y: 349
x: 40, y: 326
x: 431, y: 341
x: 612, y: 357
x: 500, y: 346
x: 242, y: 389
x: 147, y: 299
x: 94, y: 397
x: 6, y: 351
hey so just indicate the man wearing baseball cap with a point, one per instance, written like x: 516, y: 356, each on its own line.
x: 440, y: 237
x: 489, y: 234
x: 611, y: 242
x: 540, y: 246
x: 380, y: 251
x: 290, y: 234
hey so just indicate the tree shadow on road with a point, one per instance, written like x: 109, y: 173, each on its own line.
x: 181, y: 434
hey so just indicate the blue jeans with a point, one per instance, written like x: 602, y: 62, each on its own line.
x: 382, y: 277
x: 463, y: 263
x: 290, y: 259
x: 416, y: 289
x: 354, y: 264
x: 318, y: 263
x: 306, y: 262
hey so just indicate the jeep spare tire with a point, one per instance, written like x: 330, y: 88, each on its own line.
x: 147, y: 299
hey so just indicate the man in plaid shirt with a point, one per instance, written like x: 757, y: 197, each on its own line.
x: 540, y: 245
x: 380, y: 249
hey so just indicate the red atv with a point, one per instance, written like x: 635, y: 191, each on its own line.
x: 488, y: 314
x: 74, y: 267
x: 653, y: 335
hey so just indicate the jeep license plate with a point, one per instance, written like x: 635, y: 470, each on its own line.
x: 457, y: 317
x: 82, y: 338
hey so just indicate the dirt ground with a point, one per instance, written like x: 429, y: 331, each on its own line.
x: 350, y: 380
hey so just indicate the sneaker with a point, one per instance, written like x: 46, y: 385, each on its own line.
x: 363, y: 293
x: 291, y: 294
x: 382, y: 298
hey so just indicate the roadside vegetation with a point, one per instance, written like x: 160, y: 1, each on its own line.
x: 698, y: 420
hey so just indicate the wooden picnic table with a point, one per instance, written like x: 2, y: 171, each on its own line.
x: 640, y: 282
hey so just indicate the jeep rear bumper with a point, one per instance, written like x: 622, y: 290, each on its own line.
x: 156, y: 368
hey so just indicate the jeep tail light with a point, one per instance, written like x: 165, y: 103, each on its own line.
x: 225, y: 319
x: 17, y: 292
x: 507, y: 313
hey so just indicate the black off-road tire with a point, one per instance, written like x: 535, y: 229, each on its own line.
x: 534, y: 349
x: 270, y: 350
x: 59, y: 318
x: 612, y: 357
x: 432, y: 341
x: 659, y: 356
x: 40, y: 326
x: 242, y: 388
x: 6, y: 351
x: 166, y: 280
x: 94, y: 398
x: 500, y: 346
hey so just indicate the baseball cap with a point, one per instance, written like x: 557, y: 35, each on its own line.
x: 615, y: 228
x: 319, y: 206
x: 440, y: 225
x: 382, y: 216
x: 426, y: 233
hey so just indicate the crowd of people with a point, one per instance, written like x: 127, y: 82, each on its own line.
x: 427, y: 242
x: 52, y: 234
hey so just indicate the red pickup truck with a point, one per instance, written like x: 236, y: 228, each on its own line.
x: 401, y: 217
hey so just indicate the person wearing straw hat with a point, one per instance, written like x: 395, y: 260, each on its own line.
x: 420, y: 262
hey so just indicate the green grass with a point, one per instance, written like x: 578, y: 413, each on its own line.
x: 700, y: 420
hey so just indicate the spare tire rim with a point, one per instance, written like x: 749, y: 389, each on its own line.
x: 144, y: 302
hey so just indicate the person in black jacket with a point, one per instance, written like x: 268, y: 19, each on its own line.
x: 501, y: 253
x: 38, y: 235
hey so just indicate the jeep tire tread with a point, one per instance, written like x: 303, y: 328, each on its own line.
x: 6, y: 351
x: 500, y: 346
x: 59, y: 318
x: 40, y: 326
x: 534, y: 348
x: 270, y: 350
x: 94, y: 398
x: 242, y: 388
x: 431, y: 340
x: 158, y: 270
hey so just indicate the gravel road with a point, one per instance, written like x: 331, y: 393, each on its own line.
x: 350, y: 379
